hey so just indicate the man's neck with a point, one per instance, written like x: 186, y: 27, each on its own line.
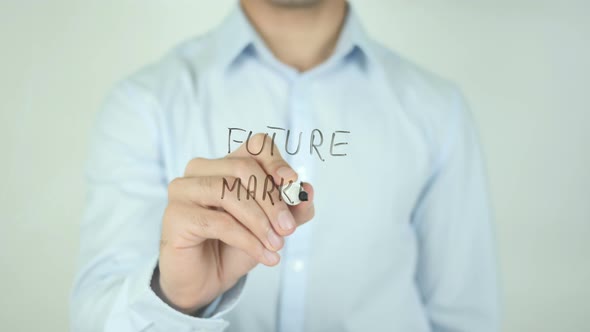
x: 301, y: 37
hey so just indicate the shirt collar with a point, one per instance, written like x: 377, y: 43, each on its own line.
x: 236, y: 38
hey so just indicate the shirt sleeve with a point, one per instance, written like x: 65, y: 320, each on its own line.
x: 120, y: 230
x: 456, y: 271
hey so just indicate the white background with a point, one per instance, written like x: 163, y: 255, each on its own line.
x: 524, y: 66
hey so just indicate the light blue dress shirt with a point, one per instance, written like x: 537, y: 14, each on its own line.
x: 401, y: 240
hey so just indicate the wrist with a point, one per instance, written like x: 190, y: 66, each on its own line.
x: 185, y: 304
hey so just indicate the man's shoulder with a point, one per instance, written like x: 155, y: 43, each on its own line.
x: 428, y: 98
x: 176, y: 70
x: 409, y: 78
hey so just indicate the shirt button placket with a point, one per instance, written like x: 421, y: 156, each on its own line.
x: 293, y: 272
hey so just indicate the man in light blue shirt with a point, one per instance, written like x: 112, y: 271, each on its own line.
x: 395, y: 236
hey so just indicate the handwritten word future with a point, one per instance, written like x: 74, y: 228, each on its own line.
x: 316, y: 139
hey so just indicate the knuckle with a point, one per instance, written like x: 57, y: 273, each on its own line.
x: 271, y: 144
x: 258, y: 252
x: 259, y: 138
x: 175, y: 184
x: 194, y: 164
x: 243, y: 167
x: 254, y: 247
x: 263, y: 224
x: 230, y: 179
x: 243, y: 163
x: 204, y: 182
x: 167, y: 214
x: 171, y: 213
x: 228, y: 183
x: 258, y: 225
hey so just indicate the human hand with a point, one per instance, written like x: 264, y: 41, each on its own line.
x: 209, y: 242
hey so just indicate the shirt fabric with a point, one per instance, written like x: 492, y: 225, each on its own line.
x: 401, y: 239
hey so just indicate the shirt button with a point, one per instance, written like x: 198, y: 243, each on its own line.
x: 298, y: 265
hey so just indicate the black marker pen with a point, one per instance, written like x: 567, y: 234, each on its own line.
x: 293, y: 193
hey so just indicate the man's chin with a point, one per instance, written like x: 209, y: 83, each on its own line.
x: 295, y: 3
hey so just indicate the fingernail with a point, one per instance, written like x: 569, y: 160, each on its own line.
x: 271, y: 257
x: 275, y: 241
x: 286, y: 220
x: 287, y: 173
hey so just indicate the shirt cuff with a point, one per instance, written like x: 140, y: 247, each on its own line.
x: 151, y: 311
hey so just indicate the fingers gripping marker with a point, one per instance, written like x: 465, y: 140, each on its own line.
x: 293, y: 193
